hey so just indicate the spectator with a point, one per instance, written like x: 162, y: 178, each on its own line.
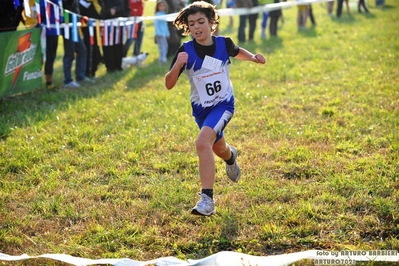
x: 339, y: 7
x: 379, y: 3
x: 31, y: 20
x: 70, y: 48
x: 217, y: 3
x: 302, y: 16
x: 51, y: 43
x: 360, y: 4
x: 113, y: 52
x: 347, y: 6
x: 265, y: 16
x: 311, y: 16
x: 91, y: 9
x: 175, y: 37
x: 274, y: 16
x: 330, y: 7
x: 243, y: 20
x: 10, y: 16
x: 161, y: 31
x: 136, y: 10
x: 231, y: 4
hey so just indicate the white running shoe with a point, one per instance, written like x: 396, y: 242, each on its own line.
x: 233, y: 171
x: 72, y: 85
x: 205, y: 206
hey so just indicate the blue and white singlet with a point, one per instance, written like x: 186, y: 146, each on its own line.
x: 209, y: 77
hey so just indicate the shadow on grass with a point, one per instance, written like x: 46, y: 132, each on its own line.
x: 368, y: 15
x: 28, y: 109
x: 226, y: 240
x: 345, y: 18
x: 272, y: 44
x: 385, y: 7
x: 309, y: 32
x: 147, y: 73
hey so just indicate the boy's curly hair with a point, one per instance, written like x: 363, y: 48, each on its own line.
x: 209, y: 10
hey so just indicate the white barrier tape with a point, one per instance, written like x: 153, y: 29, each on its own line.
x: 222, y: 12
x: 246, y: 11
x: 320, y: 257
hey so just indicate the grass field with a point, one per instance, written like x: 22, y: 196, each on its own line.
x: 110, y: 170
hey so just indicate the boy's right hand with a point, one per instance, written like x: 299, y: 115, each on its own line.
x: 259, y: 58
x: 181, y: 59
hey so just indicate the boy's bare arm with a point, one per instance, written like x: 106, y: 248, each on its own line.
x: 173, y: 75
x: 245, y: 55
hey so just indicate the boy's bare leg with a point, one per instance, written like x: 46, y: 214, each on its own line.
x: 207, y: 167
x: 222, y: 149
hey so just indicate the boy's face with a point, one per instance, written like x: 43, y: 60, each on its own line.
x: 200, y: 28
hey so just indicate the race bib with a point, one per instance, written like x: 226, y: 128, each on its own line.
x: 212, y: 86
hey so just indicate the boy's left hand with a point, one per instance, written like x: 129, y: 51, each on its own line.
x: 259, y: 58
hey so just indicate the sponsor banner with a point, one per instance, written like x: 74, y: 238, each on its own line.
x: 20, y: 61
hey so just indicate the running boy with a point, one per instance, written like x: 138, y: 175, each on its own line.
x: 206, y: 60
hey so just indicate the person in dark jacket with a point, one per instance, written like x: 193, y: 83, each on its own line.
x: 113, y: 49
x: 274, y: 16
x: 361, y: 4
x: 70, y: 48
x: 339, y: 7
x: 175, y: 37
x: 311, y: 16
x: 243, y: 20
x: 91, y: 9
x: 10, y: 15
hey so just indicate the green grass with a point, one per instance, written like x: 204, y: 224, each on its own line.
x: 110, y: 170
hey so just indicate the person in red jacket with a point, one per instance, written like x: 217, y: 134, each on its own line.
x: 136, y: 10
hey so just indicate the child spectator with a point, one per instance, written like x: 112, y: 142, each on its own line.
x: 161, y: 30
x: 330, y: 8
x: 265, y: 16
x: 231, y: 4
x: 302, y: 16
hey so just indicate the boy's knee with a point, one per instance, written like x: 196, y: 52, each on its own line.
x: 201, y: 145
x: 220, y: 149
